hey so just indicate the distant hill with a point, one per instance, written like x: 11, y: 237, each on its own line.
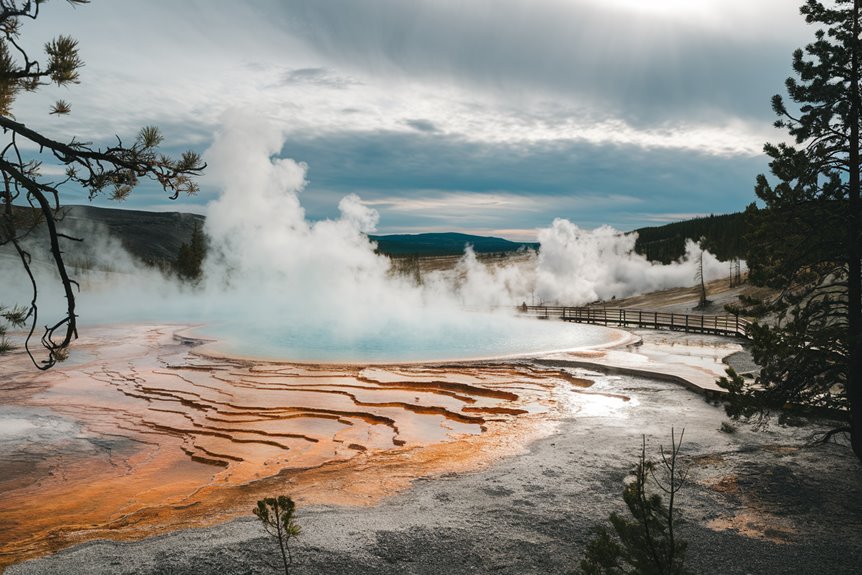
x: 444, y: 244
x: 723, y: 235
x: 156, y: 237
x: 150, y: 236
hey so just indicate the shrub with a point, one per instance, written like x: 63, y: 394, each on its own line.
x: 644, y: 544
x: 276, y: 514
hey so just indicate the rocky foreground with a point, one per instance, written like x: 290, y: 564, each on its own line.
x: 755, y: 502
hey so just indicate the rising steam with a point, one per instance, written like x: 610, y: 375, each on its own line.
x: 577, y: 266
x: 270, y: 265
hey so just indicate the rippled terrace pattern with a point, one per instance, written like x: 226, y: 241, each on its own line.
x: 137, y: 434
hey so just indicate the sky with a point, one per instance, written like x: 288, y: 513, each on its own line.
x: 479, y: 116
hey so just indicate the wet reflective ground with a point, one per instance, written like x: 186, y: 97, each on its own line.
x: 137, y: 434
x: 487, y: 466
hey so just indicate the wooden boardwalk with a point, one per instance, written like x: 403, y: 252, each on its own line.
x: 729, y: 325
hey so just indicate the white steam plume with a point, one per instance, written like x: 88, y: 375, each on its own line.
x: 576, y: 266
x: 273, y: 263
x: 269, y: 266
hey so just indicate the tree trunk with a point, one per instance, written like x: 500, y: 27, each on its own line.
x: 854, y: 265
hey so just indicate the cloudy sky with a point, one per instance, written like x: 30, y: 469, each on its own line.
x: 486, y: 116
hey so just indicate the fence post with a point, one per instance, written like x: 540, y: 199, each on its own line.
x: 724, y: 324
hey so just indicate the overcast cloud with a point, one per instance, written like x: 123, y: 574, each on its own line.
x: 490, y: 115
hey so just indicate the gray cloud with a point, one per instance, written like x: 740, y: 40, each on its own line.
x: 524, y: 66
x: 421, y: 125
x: 644, y: 70
x: 317, y: 77
x: 409, y: 180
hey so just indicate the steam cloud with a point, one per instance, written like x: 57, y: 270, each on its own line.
x: 267, y: 254
x: 269, y: 264
x: 582, y: 266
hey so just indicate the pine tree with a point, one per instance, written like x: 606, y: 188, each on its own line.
x: 805, y: 242
x: 277, y: 516
x: 113, y: 170
x: 15, y: 317
x: 644, y: 541
x: 191, y: 255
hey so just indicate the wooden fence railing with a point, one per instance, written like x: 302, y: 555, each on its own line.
x: 711, y: 324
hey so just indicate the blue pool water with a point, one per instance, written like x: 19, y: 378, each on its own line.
x: 471, y: 336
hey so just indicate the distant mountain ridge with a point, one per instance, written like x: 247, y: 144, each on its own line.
x: 156, y: 237
x: 722, y: 235
x: 150, y: 236
x: 445, y: 243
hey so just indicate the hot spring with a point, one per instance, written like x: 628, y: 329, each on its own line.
x: 472, y: 336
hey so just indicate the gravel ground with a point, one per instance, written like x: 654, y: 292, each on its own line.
x: 794, y: 509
